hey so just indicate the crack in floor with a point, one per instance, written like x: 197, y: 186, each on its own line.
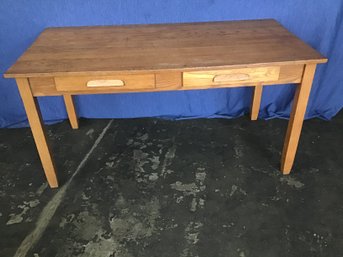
x: 51, y: 207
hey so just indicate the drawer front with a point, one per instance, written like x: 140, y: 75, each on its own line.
x: 230, y: 77
x: 105, y: 83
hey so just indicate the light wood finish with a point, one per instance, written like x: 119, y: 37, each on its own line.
x: 71, y: 110
x: 99, y: 83
x: 38, y: 131
x: 106, y: 83
x: 296, y: 119
x: 108, y: 50
x: 45, y: 86
x: 150, y: 58
x: 230, y: 77
x: 288, y: 74
x: 256, y: 101
x: 168, y: 80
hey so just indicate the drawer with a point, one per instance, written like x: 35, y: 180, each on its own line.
x: 105, y: 83
x: 243, y: 76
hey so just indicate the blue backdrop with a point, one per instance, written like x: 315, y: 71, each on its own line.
x: 319, y: 23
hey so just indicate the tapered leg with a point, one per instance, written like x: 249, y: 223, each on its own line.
x: 70, y: 106
x: 37, y: 128
x: 296, y: 119
x: 256, y: 102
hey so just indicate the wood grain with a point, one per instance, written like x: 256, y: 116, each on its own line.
x: 296, y: 119
x: 45, y: 86
x: 108, y: 50
x: 256, y: 101
x: 71, y: 110
x: 168, y: 80
x: 81, y: 83
x: 148, y: 58
x: 38, y: 131
x: 230, y: 76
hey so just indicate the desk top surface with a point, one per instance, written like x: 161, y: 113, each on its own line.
x: 102, y: 50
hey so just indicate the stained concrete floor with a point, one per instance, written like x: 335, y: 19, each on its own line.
x: 152, y: 187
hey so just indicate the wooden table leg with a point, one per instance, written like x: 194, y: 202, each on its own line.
x: 256, y: 102
x: 37, y: 128
x: 296, y: 119
x: 70, y: 106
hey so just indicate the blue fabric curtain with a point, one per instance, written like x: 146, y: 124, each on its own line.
x: 318, y: 23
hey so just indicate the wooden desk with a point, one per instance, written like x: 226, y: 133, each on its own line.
x: 139, y: 58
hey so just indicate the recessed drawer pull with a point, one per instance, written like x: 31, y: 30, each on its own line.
x: 228, y: 77
x: 99, y: 83
x: 231, y: 77
x: 105, y: 83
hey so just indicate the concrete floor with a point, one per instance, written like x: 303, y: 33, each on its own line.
x: 151, y: 187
